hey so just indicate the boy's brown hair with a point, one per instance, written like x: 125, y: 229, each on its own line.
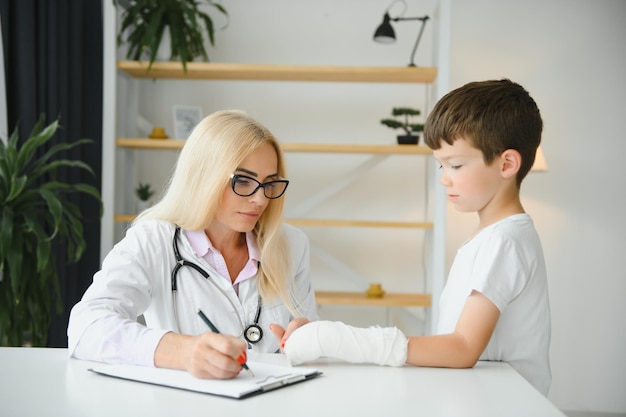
x: 493, y: 116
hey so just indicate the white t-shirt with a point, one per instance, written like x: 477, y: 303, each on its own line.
x: 505, y: 263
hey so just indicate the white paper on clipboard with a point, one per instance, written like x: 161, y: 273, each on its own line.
x: 267, y: 377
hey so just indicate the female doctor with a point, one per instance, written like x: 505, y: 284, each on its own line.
x: 216, y: 243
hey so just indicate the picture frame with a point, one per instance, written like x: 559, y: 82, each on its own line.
x: 185, y: 119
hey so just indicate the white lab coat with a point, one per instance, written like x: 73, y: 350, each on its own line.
x: 135, y: 280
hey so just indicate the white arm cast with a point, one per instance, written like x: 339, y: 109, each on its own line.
x: 334, y: 339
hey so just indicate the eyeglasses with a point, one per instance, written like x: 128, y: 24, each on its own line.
x: 246, y: 186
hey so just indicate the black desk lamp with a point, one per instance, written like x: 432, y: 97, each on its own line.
x: 386, y: 34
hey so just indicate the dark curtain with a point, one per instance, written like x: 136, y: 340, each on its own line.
x: 53, y: 65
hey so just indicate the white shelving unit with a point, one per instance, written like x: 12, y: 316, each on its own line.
x: 299, y: 73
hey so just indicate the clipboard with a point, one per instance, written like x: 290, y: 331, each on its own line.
x: 268, y: 377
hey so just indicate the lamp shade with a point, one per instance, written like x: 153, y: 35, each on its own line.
x: 540, y: 164
x: 385, y: 32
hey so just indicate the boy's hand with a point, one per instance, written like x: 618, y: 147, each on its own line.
x: 282, y: 335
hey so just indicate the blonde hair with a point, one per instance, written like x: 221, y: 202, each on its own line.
x: 214, y: 150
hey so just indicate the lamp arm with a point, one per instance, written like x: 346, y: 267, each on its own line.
x: 419, y: 36
x: 397, y: 19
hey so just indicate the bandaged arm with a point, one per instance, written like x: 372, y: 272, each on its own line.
x: 333, y: 339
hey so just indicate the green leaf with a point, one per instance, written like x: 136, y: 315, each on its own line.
x: 394, y: 124
x: 15, y: 262
x: 55, y: 207
x: 74, y: 253
x: 17, y: 186
x: 92, y: 191
x: 41, y: 166
x: 6, y: 234
x: 36, y: 139
x: 405, y: 111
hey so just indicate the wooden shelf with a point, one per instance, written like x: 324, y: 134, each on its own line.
x: 358, y: 223
x: 361, y: 298
x: 127, y: 218
x: 259, y: 72
x: 175, y: 144
x: 363, y: 149
x: 146, y: 143
x: 123, y: 218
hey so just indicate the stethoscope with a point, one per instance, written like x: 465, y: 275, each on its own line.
x: 252, y: 333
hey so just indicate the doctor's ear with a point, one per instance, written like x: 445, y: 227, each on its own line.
x: 511, y: 161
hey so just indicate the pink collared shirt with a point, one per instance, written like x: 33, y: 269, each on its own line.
x: 202, y: 246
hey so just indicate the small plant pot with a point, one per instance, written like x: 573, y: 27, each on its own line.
x: 408, y: 139
x: 142, y: 205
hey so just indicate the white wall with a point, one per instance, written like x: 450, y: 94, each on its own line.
x: 568, y: 53
x: 321, y: 33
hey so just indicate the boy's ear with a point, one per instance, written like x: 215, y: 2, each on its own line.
x: 511, y: 163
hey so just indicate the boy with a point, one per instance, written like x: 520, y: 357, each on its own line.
x: 495, y: 304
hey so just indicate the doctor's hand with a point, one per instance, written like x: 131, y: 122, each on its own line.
x: 209, y: 355
x: 282, y: 335
x: 334, y: 339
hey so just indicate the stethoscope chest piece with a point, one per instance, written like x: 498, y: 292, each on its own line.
x: 253, y: 333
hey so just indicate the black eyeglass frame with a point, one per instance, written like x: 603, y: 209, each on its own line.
x: 235, y: 177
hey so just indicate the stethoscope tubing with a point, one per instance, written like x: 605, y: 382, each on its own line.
x: 252, y: 333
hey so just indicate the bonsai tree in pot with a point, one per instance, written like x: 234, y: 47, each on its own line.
x: 36, y: 212
x: 146, y: 21
x: 409, y: 128
x: 143, y: 192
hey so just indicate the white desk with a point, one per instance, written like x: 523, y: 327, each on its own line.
x: 44, y: 382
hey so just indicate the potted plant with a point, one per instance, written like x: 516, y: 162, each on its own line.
x: 409, y: 138
x: 143, y: 192
x: 146, y: 21
x: 36, y: 212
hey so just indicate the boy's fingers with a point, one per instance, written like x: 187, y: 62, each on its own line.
x: 279, y: 332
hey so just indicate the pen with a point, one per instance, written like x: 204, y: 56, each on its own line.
x: 214, y: 329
